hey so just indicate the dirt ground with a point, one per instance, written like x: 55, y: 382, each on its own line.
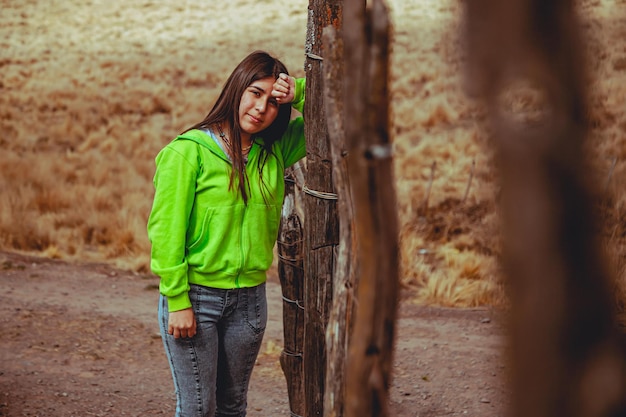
x: 82, y: 340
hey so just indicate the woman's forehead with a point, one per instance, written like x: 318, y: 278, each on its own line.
x: 263, y: 83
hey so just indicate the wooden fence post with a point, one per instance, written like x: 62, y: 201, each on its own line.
x: 567, y: 356
x: 320, y: 208
x: 345, y: 272
x: 291, y: 274
x: 366, y: 35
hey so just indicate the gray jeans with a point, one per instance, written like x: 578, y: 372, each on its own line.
x: 211, y: 370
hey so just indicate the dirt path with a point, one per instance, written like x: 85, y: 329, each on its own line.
x: 82, y: 340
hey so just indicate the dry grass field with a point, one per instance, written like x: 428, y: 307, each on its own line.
x: 91, y: 90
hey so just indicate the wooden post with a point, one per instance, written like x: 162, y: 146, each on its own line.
x: 320, y: 208
x: 366, y: 36
x: 340, y: 320
x: 291, y: 274
x: 567, y: 356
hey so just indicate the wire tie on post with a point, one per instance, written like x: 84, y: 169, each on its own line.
x: 296, y: 302
x: 313, y: 56
x: 292, y: 354
x: 379, y: 152
x: 289, y: 260
x: 319, y: 194
x: 294, y: 263
x: 294, y: 243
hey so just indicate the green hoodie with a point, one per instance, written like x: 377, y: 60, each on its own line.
x: 203, y: 233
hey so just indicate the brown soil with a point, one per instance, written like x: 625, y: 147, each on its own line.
x: 82, y: 340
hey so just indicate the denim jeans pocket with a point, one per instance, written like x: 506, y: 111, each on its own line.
x: 256, y: 308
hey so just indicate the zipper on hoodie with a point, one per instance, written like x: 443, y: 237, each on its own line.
x: 241, y: 251
x: 241, y: 234
x: 228, y: 160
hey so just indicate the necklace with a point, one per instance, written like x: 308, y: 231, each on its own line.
x: 226, y: 141
x: 223, y: 135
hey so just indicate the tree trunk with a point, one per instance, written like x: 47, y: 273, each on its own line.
x: 371, y: 176
x: 322, y: 233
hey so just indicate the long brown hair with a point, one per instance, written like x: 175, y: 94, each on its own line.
x: 256, y: 66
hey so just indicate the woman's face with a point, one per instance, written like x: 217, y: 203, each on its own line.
x: 257, y: 109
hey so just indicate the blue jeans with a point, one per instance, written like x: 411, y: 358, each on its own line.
x: 212, y: 369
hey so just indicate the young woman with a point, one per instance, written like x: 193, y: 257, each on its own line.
x: 219, y: 190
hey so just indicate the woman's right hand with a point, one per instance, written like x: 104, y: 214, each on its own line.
x: 284, y: 89
x: 182, y: 323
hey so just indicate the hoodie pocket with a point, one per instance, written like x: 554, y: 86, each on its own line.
x: 261, y: 230
x: 200, y: 232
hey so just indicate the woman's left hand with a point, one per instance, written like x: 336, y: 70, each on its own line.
x: 284, y: 89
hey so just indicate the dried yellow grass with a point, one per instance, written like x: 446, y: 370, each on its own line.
x: 91, y: 92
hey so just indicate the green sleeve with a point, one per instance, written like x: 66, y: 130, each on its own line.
x: 292, y: 143
x: 174, y: 182
x: 298, y: 99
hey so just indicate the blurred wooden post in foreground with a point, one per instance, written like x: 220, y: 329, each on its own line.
x: 320, y: 210
x: 291, y: 273
x: 567, y: 356
x: 366, y: 40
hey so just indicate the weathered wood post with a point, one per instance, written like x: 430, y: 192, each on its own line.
x: 567, y: 356
x: 345, y: 274
x: 320, y: 208
x: 366, y: 35
x: 291, y: 273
